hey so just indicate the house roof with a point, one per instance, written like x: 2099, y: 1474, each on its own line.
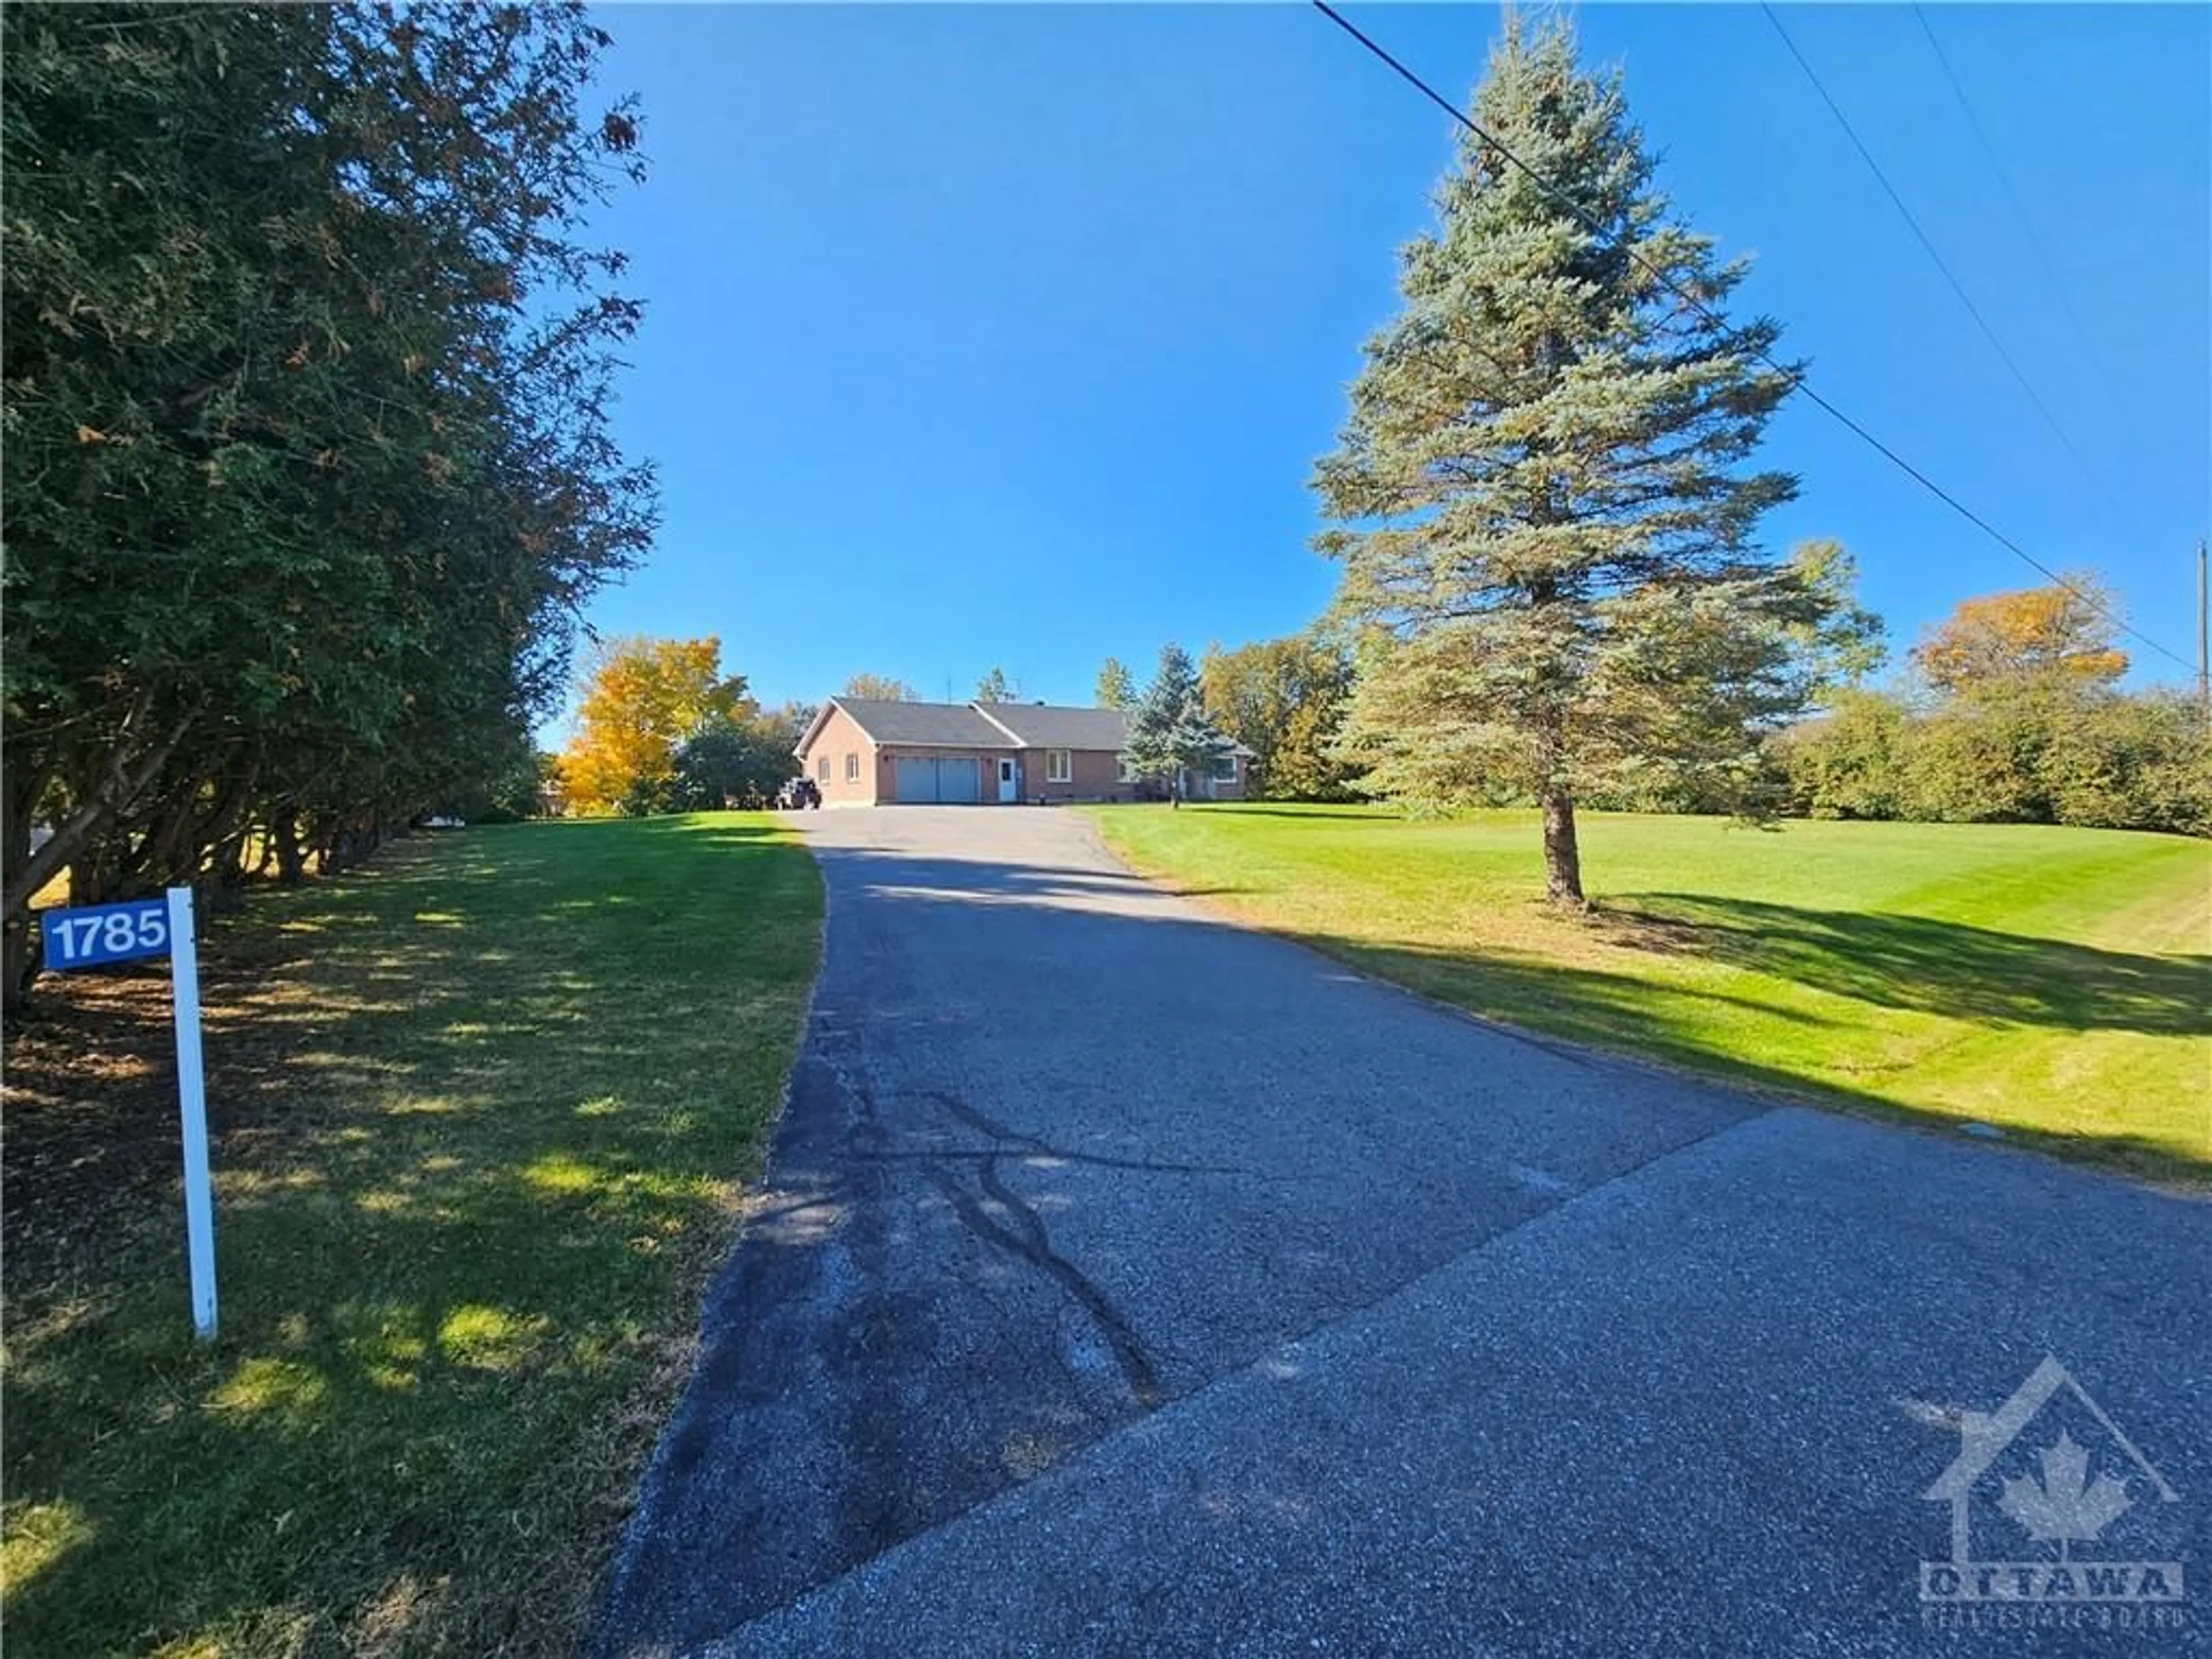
x: 1043, y: 726
x: 924, y: 725
x: 980, y: 725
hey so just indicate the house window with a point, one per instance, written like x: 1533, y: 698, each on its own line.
x: 1225, y: 768
x: 1059, y: 766
x: 852, y: 769
x: 822, y: 769
x: 1123, y: 769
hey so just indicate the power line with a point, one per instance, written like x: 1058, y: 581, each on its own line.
x: 1928, y: 245
x: 1796, y: 376
x: 2107, y: 380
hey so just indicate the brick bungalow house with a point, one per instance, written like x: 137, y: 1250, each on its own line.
x: 861, y: 753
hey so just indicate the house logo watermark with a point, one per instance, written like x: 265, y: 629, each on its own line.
x: 2044, y: 1504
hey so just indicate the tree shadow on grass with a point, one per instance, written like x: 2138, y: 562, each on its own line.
x: 1293, y: 810
x: 475, y: 1109
x: 1627, y: 1014
x: 1931, y: 966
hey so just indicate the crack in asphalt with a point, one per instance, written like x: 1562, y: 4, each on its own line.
x: 985, y: 1123
x: 1259, y: 1366
x: 1094, y: 1160
x: 1028, y: 1239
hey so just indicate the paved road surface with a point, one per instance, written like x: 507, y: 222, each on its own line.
x: 1128, y: 1283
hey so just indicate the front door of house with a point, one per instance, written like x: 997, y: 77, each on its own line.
x: 1008, y: 788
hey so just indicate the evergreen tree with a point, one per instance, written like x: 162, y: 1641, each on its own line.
x: 308, y: 464
x: 1116, y: 687
x: 1538, y: 499
x: 1170, y: 734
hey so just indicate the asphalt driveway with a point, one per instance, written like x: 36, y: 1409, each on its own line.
x: 1124, y: 1282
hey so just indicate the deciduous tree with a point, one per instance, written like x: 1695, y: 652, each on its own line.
x: 2035, y: 747
x: 2067, y: 632
x: 729, y: 761
x: 1841, y: 643
x: 1283, y: 700
x: 789, y: 721
x: 879, y: 687
x: 992, y: 688
x: 642, y: 698
x: 1850, y: 762
x: 1116, y: 687
x: 1541, y: 493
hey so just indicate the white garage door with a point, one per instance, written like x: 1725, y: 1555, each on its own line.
x: 929, y: 780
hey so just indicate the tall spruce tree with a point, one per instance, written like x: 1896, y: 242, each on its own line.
x: 1539, y: 499
x: 1170, y: 735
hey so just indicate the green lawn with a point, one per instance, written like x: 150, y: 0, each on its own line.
x: 2051, y: 981
x: 483, y: 1109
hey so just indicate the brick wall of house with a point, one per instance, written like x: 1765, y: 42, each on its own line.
x: 1222, y: 789
x: 1095, y: 776
x: 841, y: 736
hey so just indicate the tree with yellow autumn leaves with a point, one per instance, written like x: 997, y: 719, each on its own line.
x: 2065, y: 632
x: 643, y: 700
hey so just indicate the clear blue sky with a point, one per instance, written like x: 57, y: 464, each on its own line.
x: 1010, y: 334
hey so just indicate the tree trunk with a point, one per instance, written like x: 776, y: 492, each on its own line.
x: 1563, y: 858
x: 291, y: 859
x: 227, y: 874
x: 15, y: 960
x: 22, y: 788
x: 96, y: 874
x: 101, y: 804
x: 323, y: 837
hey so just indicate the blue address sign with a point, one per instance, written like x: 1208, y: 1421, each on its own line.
x: 91, y: 934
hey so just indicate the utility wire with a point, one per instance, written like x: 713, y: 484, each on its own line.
x: 2107, y: 380
x: 1796, y: 377
x: 1928, y: 245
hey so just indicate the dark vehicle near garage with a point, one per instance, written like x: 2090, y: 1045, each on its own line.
x: 797, y: 792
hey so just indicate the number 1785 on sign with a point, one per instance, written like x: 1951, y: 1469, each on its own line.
x: 91, y: 934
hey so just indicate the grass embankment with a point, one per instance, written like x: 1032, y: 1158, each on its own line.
x: 481, y: 1110
x: 2052, y: 982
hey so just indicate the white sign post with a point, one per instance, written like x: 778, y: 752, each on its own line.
x: 191, y: 1102
x: 94, y: 935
